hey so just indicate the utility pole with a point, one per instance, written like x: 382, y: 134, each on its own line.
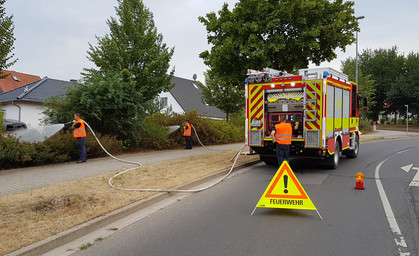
x: 356, y: 59
x: 407, y: 119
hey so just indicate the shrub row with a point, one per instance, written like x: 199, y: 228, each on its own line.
x: 154, y: 135
x: 209, y: 131
x: 365, y: 125
x: 61, y: 147
x: 412, y: 121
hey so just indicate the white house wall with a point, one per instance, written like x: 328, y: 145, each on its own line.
x: 171, y: 101
x: 11, y: 112
x: 30, y: 114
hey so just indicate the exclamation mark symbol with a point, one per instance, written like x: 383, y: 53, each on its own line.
x: 285, y: 184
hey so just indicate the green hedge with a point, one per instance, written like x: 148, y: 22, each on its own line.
x: 365, y: 125
x: 210, y: 132
x: 1, y: 120
x: 62, y: 147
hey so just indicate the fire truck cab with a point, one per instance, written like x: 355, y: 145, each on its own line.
x: 321, y: 104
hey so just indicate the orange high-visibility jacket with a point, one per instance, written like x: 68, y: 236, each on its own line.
x: 81, y: 131
x: 283, y: 133
x: 187, y: 130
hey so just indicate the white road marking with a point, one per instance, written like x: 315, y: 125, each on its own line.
x: 402, y: 151
x: 415, y: 180
x: 399, y: 239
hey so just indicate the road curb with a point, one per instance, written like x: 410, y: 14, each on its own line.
x: 381, y: 138
x: 366, y: 139
x: 81, y: 230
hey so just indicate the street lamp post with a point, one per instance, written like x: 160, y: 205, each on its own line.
x: 356, y: 60
x: 407, y: 119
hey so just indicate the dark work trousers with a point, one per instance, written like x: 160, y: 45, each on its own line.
x: 188, y: 142
x: 282, y: 153
x: 80, y: 144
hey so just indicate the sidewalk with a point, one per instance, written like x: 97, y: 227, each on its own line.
x: 14, y: 181
x: 387, y: 135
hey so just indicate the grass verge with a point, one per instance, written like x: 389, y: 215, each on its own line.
x: 32, y: 216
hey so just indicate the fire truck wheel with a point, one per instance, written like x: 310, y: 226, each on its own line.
x: 354, y: 152
x: 335, y: 158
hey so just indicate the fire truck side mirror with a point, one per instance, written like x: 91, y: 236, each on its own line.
x: 365, y: 104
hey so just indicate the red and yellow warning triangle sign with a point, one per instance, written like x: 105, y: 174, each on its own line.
x: 285, y: 191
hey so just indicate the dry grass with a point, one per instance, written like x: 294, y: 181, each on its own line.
x: 38, y: 214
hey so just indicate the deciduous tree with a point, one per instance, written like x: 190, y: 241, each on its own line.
x: 132, y: 64
x: 107, y: 102
x: 220, y: 94
x: 6, y: 40
x: 134, y: 45
x: 406, y: 87
x: 284, y: 35
x: 366, y: 85
x: 385, y: 66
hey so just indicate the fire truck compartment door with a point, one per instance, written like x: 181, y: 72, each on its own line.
x: 330, y: 110
x: 338, y: 108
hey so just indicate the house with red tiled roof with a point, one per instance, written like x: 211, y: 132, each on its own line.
x: 15, y: 80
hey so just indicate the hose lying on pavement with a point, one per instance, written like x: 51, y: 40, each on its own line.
x: 236, y: 156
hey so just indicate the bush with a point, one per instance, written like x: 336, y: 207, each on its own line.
x: 365, y: 125
x: 228, y: 132
x: 383, y: 120
x: 154, y: 135
x: 14, y: 153
x: 93, y: 149
x: 413, y: 121
x: 1, y: 120
x: 59, y: 148
x: 210, y: 131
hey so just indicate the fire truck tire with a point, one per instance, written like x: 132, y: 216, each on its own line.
x: 335, y: 158
x: 354, y: 152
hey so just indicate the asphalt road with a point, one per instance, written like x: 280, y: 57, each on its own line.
x: 355, y: 222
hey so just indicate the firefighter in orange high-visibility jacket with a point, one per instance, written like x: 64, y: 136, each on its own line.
x: 80, y: 134
x: 281, y: 134
x: 187, y: 132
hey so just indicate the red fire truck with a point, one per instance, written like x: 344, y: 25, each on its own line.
x: 321, y: 102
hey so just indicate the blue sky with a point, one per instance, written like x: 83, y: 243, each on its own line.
x: 52, y: 36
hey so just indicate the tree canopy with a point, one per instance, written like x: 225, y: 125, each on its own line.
x: 132, y: 63
x: 280, y: 34
x: 285, y: 35
x: 405, y: 90
x: 389, y: 78
x: 108, y: 103
x: 6, y: 40
x: 134, y: 46
x: 366, y: 85
x: 218, y: 93
x: 385, y: 66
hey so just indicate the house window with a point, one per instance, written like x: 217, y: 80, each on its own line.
x: 163, y: 101
x: 16, y: 78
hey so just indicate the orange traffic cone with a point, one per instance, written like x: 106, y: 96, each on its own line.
x: 359, y: 184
